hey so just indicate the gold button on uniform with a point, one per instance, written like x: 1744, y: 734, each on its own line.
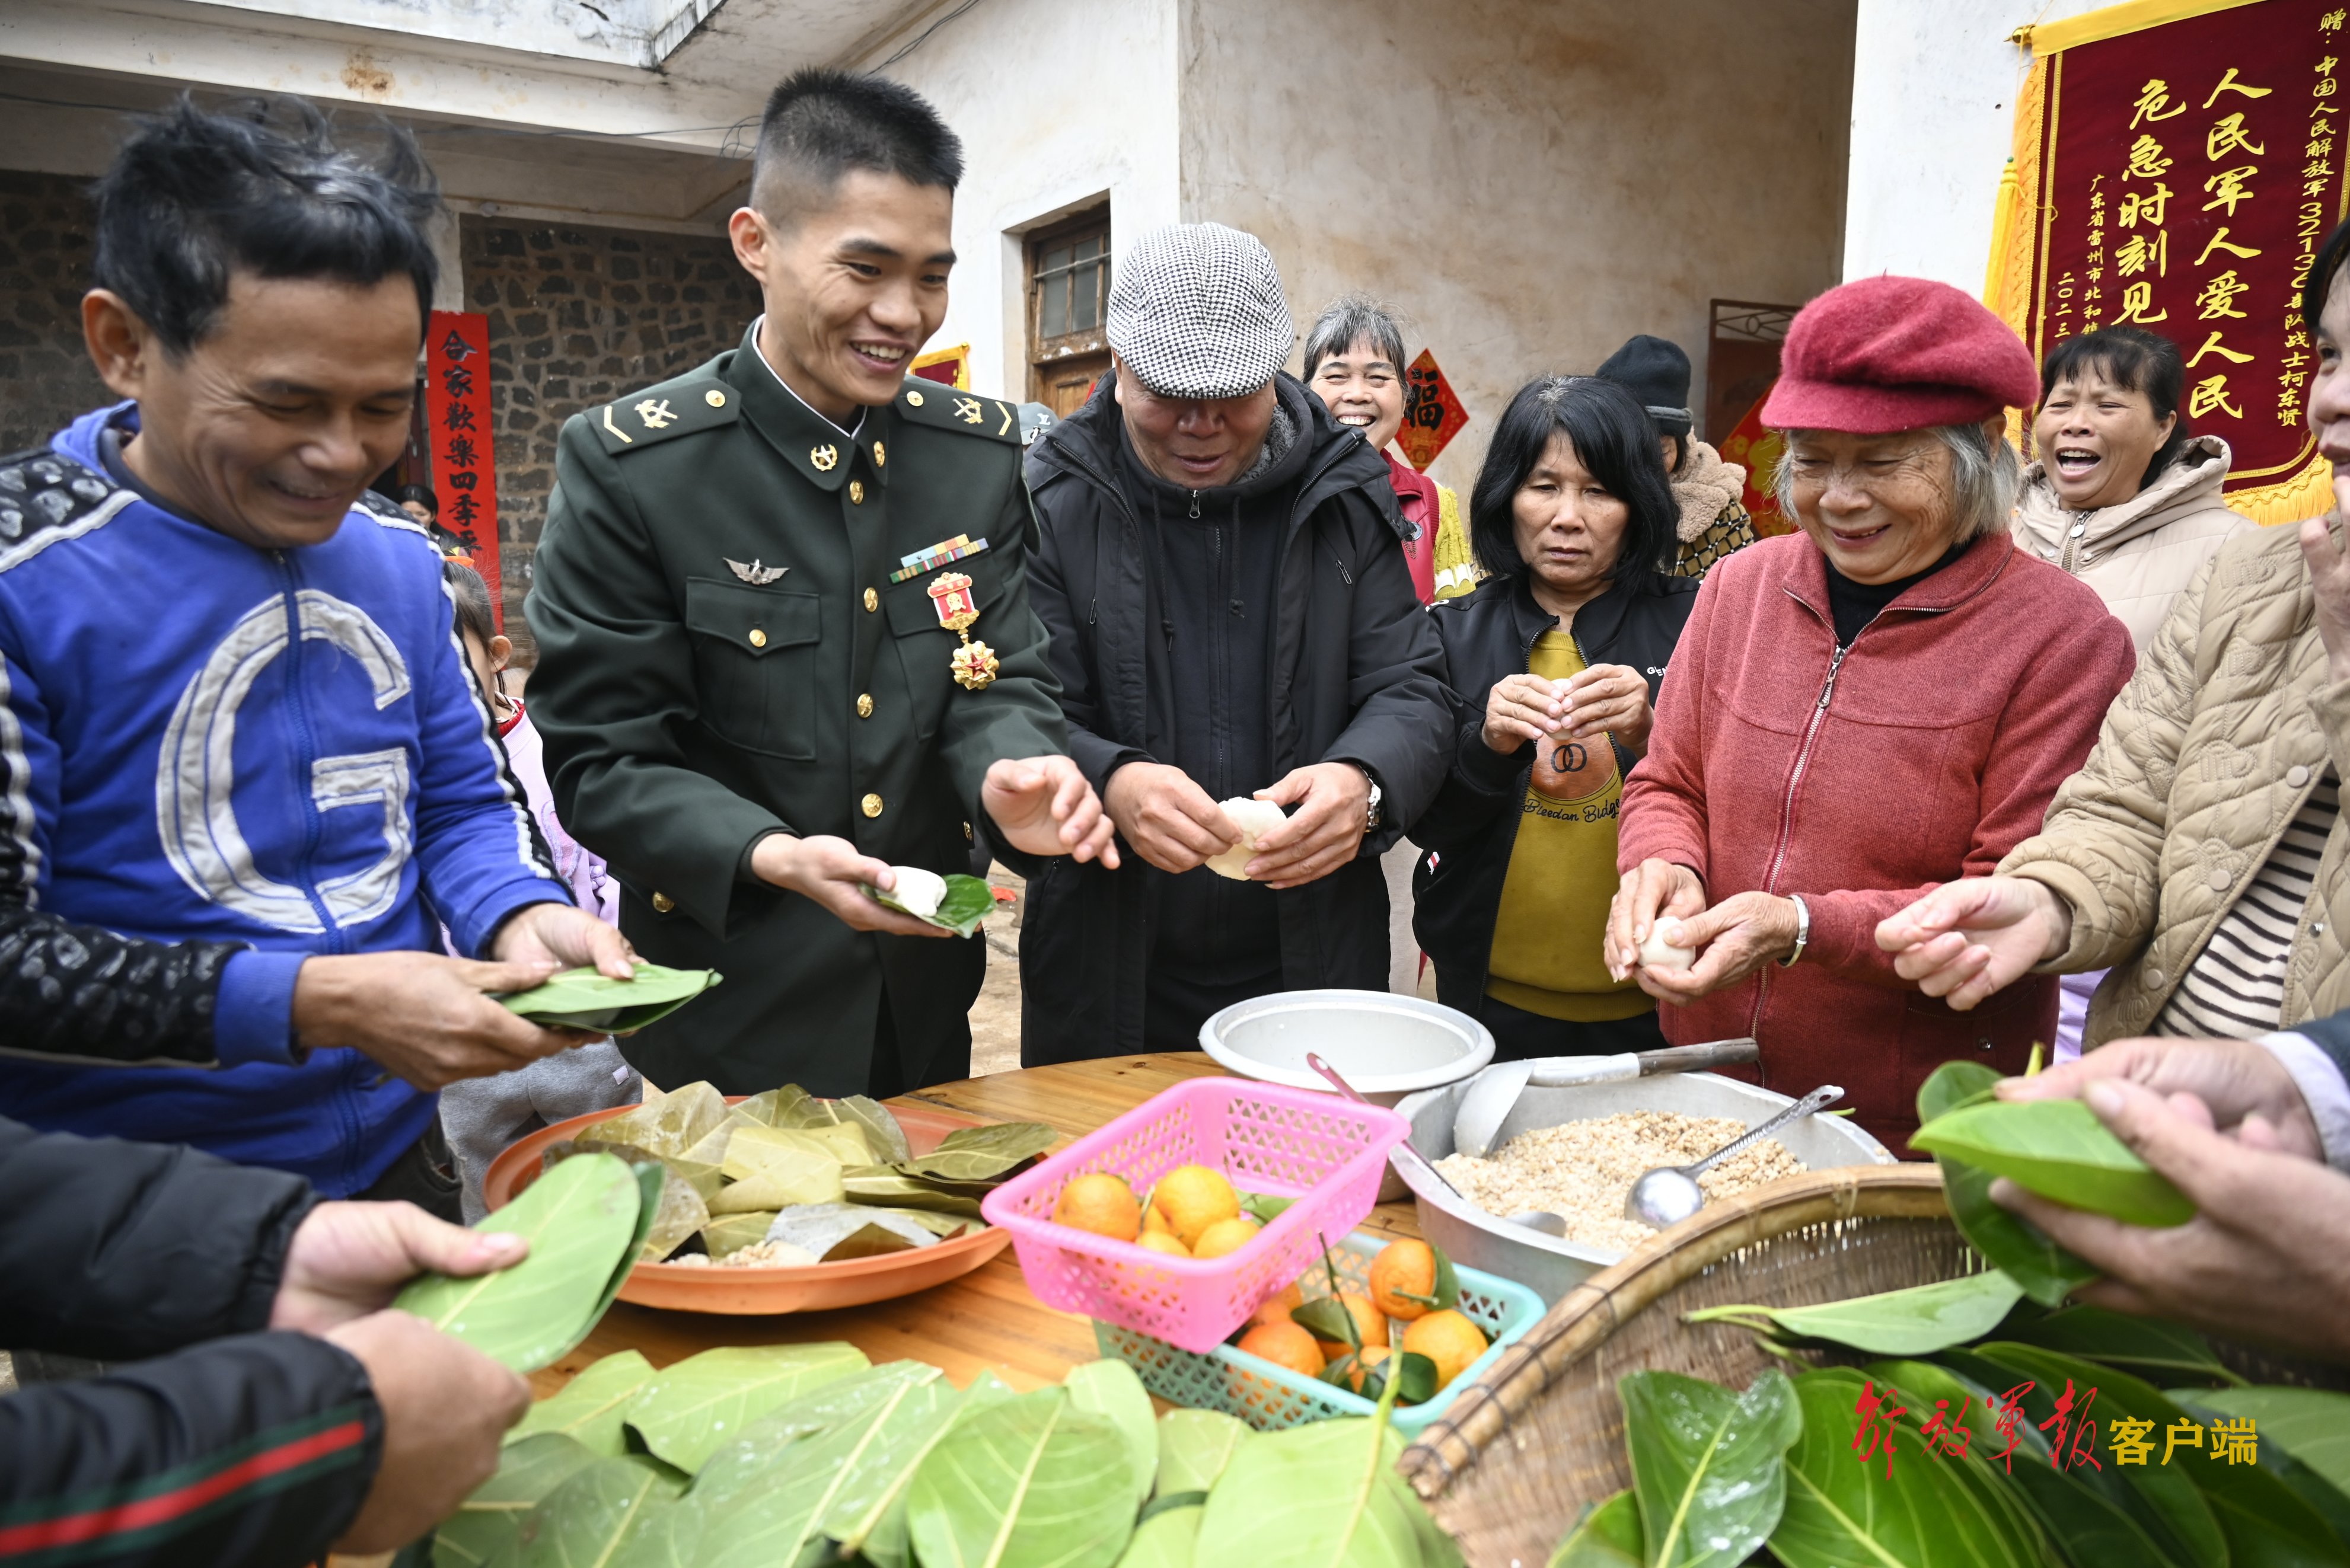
x: 872, y: 601
x: 865, y: 704
x: 715, y: 398
x: 880, y: 458
x: 758, y: 638
x: 856, y: 492
x: 663, y: 903
x: 914, y: 399
x: 870, y: 806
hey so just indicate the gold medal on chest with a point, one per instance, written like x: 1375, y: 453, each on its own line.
x: 974, y: 662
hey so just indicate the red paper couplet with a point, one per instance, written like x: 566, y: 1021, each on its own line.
x: 464, y: 462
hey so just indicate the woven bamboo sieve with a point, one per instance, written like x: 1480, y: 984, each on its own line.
x: 1510, y: 1467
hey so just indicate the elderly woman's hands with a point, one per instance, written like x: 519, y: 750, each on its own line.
x: 1604, y: 700
x: 1966, y: 939
x: 1733, y: 939
x: 2262, y: 1259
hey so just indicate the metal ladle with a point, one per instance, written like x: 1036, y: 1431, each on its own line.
x: 1669, y: 1194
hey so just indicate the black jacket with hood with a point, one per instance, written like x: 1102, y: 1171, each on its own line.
x: 1468, y: 834
x: 1353, y: 672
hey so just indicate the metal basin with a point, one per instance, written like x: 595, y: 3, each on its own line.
x: 1547, y: 1264
x: 1386, y: 1045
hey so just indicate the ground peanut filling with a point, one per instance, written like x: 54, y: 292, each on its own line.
x: 1584, y: 1170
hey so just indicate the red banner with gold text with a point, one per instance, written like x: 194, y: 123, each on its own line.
x: 2185, y: 174
x: 457, y: 417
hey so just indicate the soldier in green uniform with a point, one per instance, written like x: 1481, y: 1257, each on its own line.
x: 785, y: 638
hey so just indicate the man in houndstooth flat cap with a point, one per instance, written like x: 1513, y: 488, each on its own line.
x: 1230, y: 617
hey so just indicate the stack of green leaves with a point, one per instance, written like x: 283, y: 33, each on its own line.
x: 805, y: 1455
x: 585, y: 1221
x: 1794, y: 1463
x: 595, y: 1004
x: 823, y: 1180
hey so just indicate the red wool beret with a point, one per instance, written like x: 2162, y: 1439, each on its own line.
x: 1886, y: 354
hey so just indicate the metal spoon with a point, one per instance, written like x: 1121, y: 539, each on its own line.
x: 1348, y: 1089
x: 1669, y: 1194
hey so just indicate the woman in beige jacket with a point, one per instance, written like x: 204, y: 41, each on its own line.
x: 2120, y: 495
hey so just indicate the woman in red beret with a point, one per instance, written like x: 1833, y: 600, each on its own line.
x: 1858, y: 712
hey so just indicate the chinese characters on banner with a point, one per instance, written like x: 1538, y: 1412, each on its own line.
x: 457, y: 421
x: 2181, y: 177
x: 1432, y: 414
x: 2069, y: 1435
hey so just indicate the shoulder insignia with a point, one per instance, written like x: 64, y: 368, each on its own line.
x: 934, y: 403
x: 660, y: 413
x: 46, y: 498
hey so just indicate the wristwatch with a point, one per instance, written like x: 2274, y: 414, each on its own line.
x: 1371, y: 806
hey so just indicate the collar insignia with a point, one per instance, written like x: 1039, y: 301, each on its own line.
x: 824, y: 458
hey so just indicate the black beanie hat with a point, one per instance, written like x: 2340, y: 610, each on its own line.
x: 1656, y: 373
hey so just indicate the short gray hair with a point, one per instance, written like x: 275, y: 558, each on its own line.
x: 1985, y: 477
x: 1350, y: 319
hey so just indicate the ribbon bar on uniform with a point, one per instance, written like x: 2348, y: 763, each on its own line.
x: 936, y: 556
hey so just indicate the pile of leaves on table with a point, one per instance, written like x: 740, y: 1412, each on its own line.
x: 1993, y: 1425
x: 803, y: 1180
x: 805, y: 1455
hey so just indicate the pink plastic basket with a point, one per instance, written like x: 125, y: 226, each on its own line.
x: 1325, y: 1152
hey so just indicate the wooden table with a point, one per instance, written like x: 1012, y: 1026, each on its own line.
x: 984, y: 1320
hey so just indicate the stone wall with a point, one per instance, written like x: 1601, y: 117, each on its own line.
x: 46, y: 375
x: 578, y: 317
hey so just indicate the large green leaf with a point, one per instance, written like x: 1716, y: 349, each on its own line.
x: 694, y: 1407
x: 2089, y: 1529
x: 584, y: 999
x: 1920, y: 1512
x: 833, y: 1231
x: 733, y: 1232
x: 982, y: 1154
x: 880, y: 1535
x: 967, y: 901
x: 1608, y: 1536
x: 2331, y: 1501
x: 1112, y: 1390
x: 593, y: 1519
x: 2059, y: 1149
x: 1324, y: 1495
x: 581, y: 1219
x: 1020, y: 1484
x: 588, y: 1408
x: 2008, y: 1241
x: 2146, y: 1346
x: 885, y: 1187
x: 672, y: 1125
x: 843, y: 1143
x: 2170, y: 1506
x: 2263, y: 1522
x: 1707, y: 1466
x: 771, y: 1495
x: 1194, y: 1447
x: 2310, y: 1424
x: 705, y: 1178
x: 1952, y: 1085
x: 777, y: 1179
x: 1165, y: 1540
x: 1914, y: 1322
x: 487, y: 1522
x: 793, y: 1107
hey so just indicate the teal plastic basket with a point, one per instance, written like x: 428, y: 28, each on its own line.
x: 1271, y: 1397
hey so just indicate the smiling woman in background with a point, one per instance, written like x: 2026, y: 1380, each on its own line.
x: 2122, y: 497
x: 1354, y: 363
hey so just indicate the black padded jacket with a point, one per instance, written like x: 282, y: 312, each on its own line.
x: 80, y: 992
x: 1468, y: 833
x: 210, y: 1439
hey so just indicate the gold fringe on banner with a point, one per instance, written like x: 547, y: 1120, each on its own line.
x: 2309, y: 493
x: 2045, y: 38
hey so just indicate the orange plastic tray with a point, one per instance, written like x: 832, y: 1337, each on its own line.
x: 850, y: 1282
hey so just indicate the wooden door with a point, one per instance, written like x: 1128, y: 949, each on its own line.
x: 1068, y: 297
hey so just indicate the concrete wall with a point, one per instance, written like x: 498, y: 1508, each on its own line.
x: 1529, y: 183
x: 46, y: 375
x: 1933, y: 120
x: 1056, y: 105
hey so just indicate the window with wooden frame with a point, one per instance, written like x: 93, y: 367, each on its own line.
x: 1068, y: 309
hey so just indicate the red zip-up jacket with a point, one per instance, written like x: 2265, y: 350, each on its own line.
x: 1862, y: 779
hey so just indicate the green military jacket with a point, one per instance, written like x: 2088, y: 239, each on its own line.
x: 723, y: 653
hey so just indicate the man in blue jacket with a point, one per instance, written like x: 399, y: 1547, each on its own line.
x: 233, y: 708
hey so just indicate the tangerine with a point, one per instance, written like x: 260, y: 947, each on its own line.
x: 1370, y: 1324
x: 1194, y: 1197
x: 1449, y: 1339
x: 1284, y: 1345
x: 1224, y: 1235
x: 1402, y: 1270
x: 1372, y: 1354
x: 1276, y: 1309
x: 1100, y: 1203
x: 1160, y: 1242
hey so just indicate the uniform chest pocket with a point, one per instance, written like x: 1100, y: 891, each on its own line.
x: 754, y: 661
